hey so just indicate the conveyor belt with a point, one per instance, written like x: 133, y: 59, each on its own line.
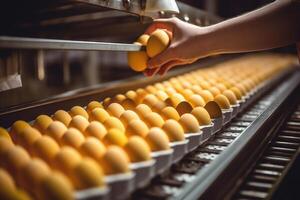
x: 197, y: 173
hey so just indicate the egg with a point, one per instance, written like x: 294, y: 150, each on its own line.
x: 143, y: 39
x: 184, y: 107
x: 213, y: 109
x: 99, y: 114
x: 230, y: 96
x: 159, y: 106
x: 151, y: 89
x: 16, y: 128
x: 95, y: 129
x: 78, y: 110
x: 141, y: 93
x: 73, y: 138
x: 5, y: 134
x: 169, y: 113
x: 115, y: 137
x: 137, y: 60
x: 46, y: 148
x: 79, y: 122
x: 154, y: 120
x: 42, y: 122
x: 13, y: 160
x: 204, y: 84
x: 88, y: 174
x: 137, y: 127
x: 128, y: 104
x: 92, y: 147
x: 237, y: 92
x: 222, y: 101
x: 174, y: 130
x: 137, y: 149
x: 56, y: 130
x: 187, y: 93
x: 63, y: 117
x: 119, y: 98
x: 157, y: 42
x: 55, y: 186
x: 142, y: 110
x: 106, y: 102
x: 113, y: 122
x: 92, y: 105
x: 196, y: 100
x: 7, y: 184
x: 128, y: 116
x: 150, y: 100
x: 157, y: 139
x: 27, y: 137
x: 66, y: 159
x: 115, y: 109
x: 162, y: 95
x: 206, y: 95
x: 115, y: 161
x: 221, y: 87
x: 170, y: 91
x: 32, y: 174
x: 132, y: 95
x: 159, y: 86
x: 4, y: 146
x: 201, y: 115
x: 189, y: 123
x: 242, y: 89
x: 214, y: 91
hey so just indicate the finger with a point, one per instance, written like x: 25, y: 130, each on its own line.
x: 160, y: 24
x: 166, y: 67
x: 151, y: 72
x: 161, y: 59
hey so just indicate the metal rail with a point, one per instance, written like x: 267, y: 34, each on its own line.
x: 37, y: 43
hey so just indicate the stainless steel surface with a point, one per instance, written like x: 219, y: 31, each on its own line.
x: 36, y: 43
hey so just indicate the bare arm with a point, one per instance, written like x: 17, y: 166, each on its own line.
x: 274, y: 25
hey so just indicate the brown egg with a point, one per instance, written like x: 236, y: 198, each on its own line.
x: 151, y: 89
x: 184, y: 107
x: 115, y: 109
x: 230, y: 96
x: 4, y: 146
x: 115, y: 160
x: 137, y: 149
x: 204, y: 84
x: 206, y: 95
x: 214, y: 91
x: 66, y: 159
x: 143, y: 39
x: 187, y: 93
x: 5, y: 134
x: 157, y: 42
x: 106, y: 102
x: 137, y: 127
x: 201, y: 115
x: 141, y: 93
x: 56, y: 130
x: 88, y: 174
x: 115, y: 137
x: 196, y: 100
x: 78, y: 110
x: 99, y: 114
x: 150, y: 100
x: 33, y: 173
x: 157, y: 139
x: 79, y: 123
x: 56, y: 186
x: 92, y: 105
x: 92, y: 147
x: 222, y: 101
x: 242, y: 89
x: 46, y: 148
x: 128, y: 104
x: 154, y: 120
x: 213, y: 109
x: 221, y: 87
x: 175, y: 99
x: 128, y: 116
x: 16, y: 128
x: 137, y: 60
x: 42, y: 122
x: 7, y: 184
x: 196, y: 89
x: 73, y: 138
x: 13, y: 160
x: 170, y: 113
x: 27, y: 137
x: 142, y: 110
x: 119, y: 98
x: 95, y: 129
x: 63, y: 117
x: 237, y: 92
x: 174, y: 130
x: 113, y: 122
x: 189, y: 123
x: 161, y: 95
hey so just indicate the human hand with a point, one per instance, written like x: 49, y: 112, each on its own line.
x: 188, y: 43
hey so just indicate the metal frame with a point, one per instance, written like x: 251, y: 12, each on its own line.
x: 207, y: 177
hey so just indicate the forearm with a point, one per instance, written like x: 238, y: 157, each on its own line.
x: 275, y: 25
